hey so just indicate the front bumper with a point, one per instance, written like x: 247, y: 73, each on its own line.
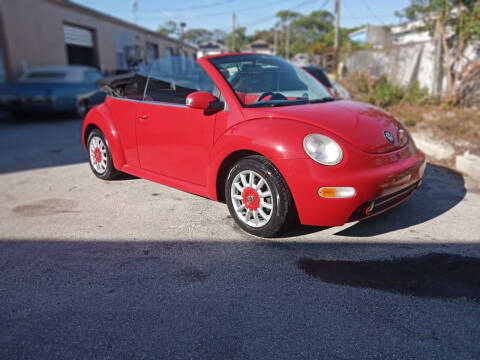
x: 385, y: 179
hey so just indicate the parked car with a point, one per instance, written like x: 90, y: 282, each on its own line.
x: 332, y: 85
x: 257, y: 133
x: 70, y: 88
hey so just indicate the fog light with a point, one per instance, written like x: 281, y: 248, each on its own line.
x: 336, y: 192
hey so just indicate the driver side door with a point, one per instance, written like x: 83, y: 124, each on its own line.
x: 173, y: 139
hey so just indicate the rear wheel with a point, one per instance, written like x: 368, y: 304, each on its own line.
x: 100, y: 157
x: 258, y: 197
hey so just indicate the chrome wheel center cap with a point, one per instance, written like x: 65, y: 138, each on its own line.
x: 250, y: 199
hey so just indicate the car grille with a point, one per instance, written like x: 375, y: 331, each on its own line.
x: 382, y: 203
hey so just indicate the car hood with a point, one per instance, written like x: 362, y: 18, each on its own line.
x: 360, y: 124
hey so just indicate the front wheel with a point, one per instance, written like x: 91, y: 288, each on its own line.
x: 258, y: 197
x: 100, y: 157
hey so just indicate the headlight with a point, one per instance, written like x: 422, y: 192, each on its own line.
x: 322, y: 149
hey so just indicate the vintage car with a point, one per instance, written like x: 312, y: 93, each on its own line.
x: 65, y: 89
x: 257, y: 133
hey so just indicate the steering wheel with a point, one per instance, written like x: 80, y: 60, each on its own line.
x: 264, y: 95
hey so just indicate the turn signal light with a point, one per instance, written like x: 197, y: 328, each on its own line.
x: 336, y: 192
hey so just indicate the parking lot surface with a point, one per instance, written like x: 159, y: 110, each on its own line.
x: 133, y: 269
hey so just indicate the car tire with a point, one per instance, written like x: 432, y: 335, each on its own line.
x: 258, y: 197
x: 81, y: 108
x: 100, y: 157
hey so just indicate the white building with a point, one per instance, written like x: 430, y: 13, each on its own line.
x: 211, y: 48
x: 258, y: 46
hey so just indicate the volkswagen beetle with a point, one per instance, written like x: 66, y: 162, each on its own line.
x: 257, y: 133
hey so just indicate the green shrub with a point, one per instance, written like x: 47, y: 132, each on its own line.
x: 387, y: 94
x: 383, y: 93
x: 414, y: 95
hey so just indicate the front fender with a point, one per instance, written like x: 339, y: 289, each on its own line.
x: 101, y: 118
x: 273, y: 138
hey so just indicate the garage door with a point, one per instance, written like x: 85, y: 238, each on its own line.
x: 80, y: 45
x: 78, y: 36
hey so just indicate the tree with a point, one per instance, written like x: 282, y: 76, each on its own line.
x: 456, y: 23
x: 241, y: 39
x: 197, y: 36
x: 169, y: 28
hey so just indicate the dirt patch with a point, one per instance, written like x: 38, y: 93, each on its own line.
x: 445, y: 276
x: 46, y: 207
x: 461, y: 126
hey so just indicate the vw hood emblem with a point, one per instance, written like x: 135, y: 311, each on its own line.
x: 388, y: 135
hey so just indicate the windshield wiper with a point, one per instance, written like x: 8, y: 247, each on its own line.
x: 322, y: 100
x: 276, y: 103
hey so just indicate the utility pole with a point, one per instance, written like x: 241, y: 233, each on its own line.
x: 234, y: 27
x: 275, y: 40
x: 287, y: 41
x: 336, y: 43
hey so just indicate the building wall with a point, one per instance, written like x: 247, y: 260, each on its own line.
x: 35, y: 37
x: 403, y: 65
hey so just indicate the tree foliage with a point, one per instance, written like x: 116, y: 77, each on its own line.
x: 169, y: 28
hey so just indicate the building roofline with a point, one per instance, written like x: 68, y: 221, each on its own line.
x: 89, y: 11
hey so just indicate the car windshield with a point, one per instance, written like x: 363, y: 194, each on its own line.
x: 263, y: 80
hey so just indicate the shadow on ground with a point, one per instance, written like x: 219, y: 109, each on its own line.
x: 238, y: 300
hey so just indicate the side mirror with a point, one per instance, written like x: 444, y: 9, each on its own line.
x: 204, y: 101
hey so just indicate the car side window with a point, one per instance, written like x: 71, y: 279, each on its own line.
x: 135, y: 88
x: 91, y: 76
x: 172, y: 79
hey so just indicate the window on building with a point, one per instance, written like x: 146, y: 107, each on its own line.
x: 3, y: 76
x: 151, y: 52
x: 80, y: 45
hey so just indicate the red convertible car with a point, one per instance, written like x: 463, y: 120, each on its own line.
x: 257, y: 133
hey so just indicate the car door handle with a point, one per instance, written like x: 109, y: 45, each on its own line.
x: 143, y: 117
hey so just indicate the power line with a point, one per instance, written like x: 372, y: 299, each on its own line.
x: 347, y: 7
x: 250, y: 8
x: 371, y: 12
x: 218, y: 3
x: 269, y: 17
x: 228, y: 12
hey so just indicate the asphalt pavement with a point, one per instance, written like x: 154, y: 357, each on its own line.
x: 130, y: 269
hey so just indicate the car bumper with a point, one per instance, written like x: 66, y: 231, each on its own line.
x: 381, y: 181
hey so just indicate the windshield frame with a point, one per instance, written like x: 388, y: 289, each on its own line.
x: 230, y: 58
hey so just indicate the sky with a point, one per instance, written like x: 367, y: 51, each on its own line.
x: 253, y: 14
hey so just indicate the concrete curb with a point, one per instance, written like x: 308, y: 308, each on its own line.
x: 441, y: 150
